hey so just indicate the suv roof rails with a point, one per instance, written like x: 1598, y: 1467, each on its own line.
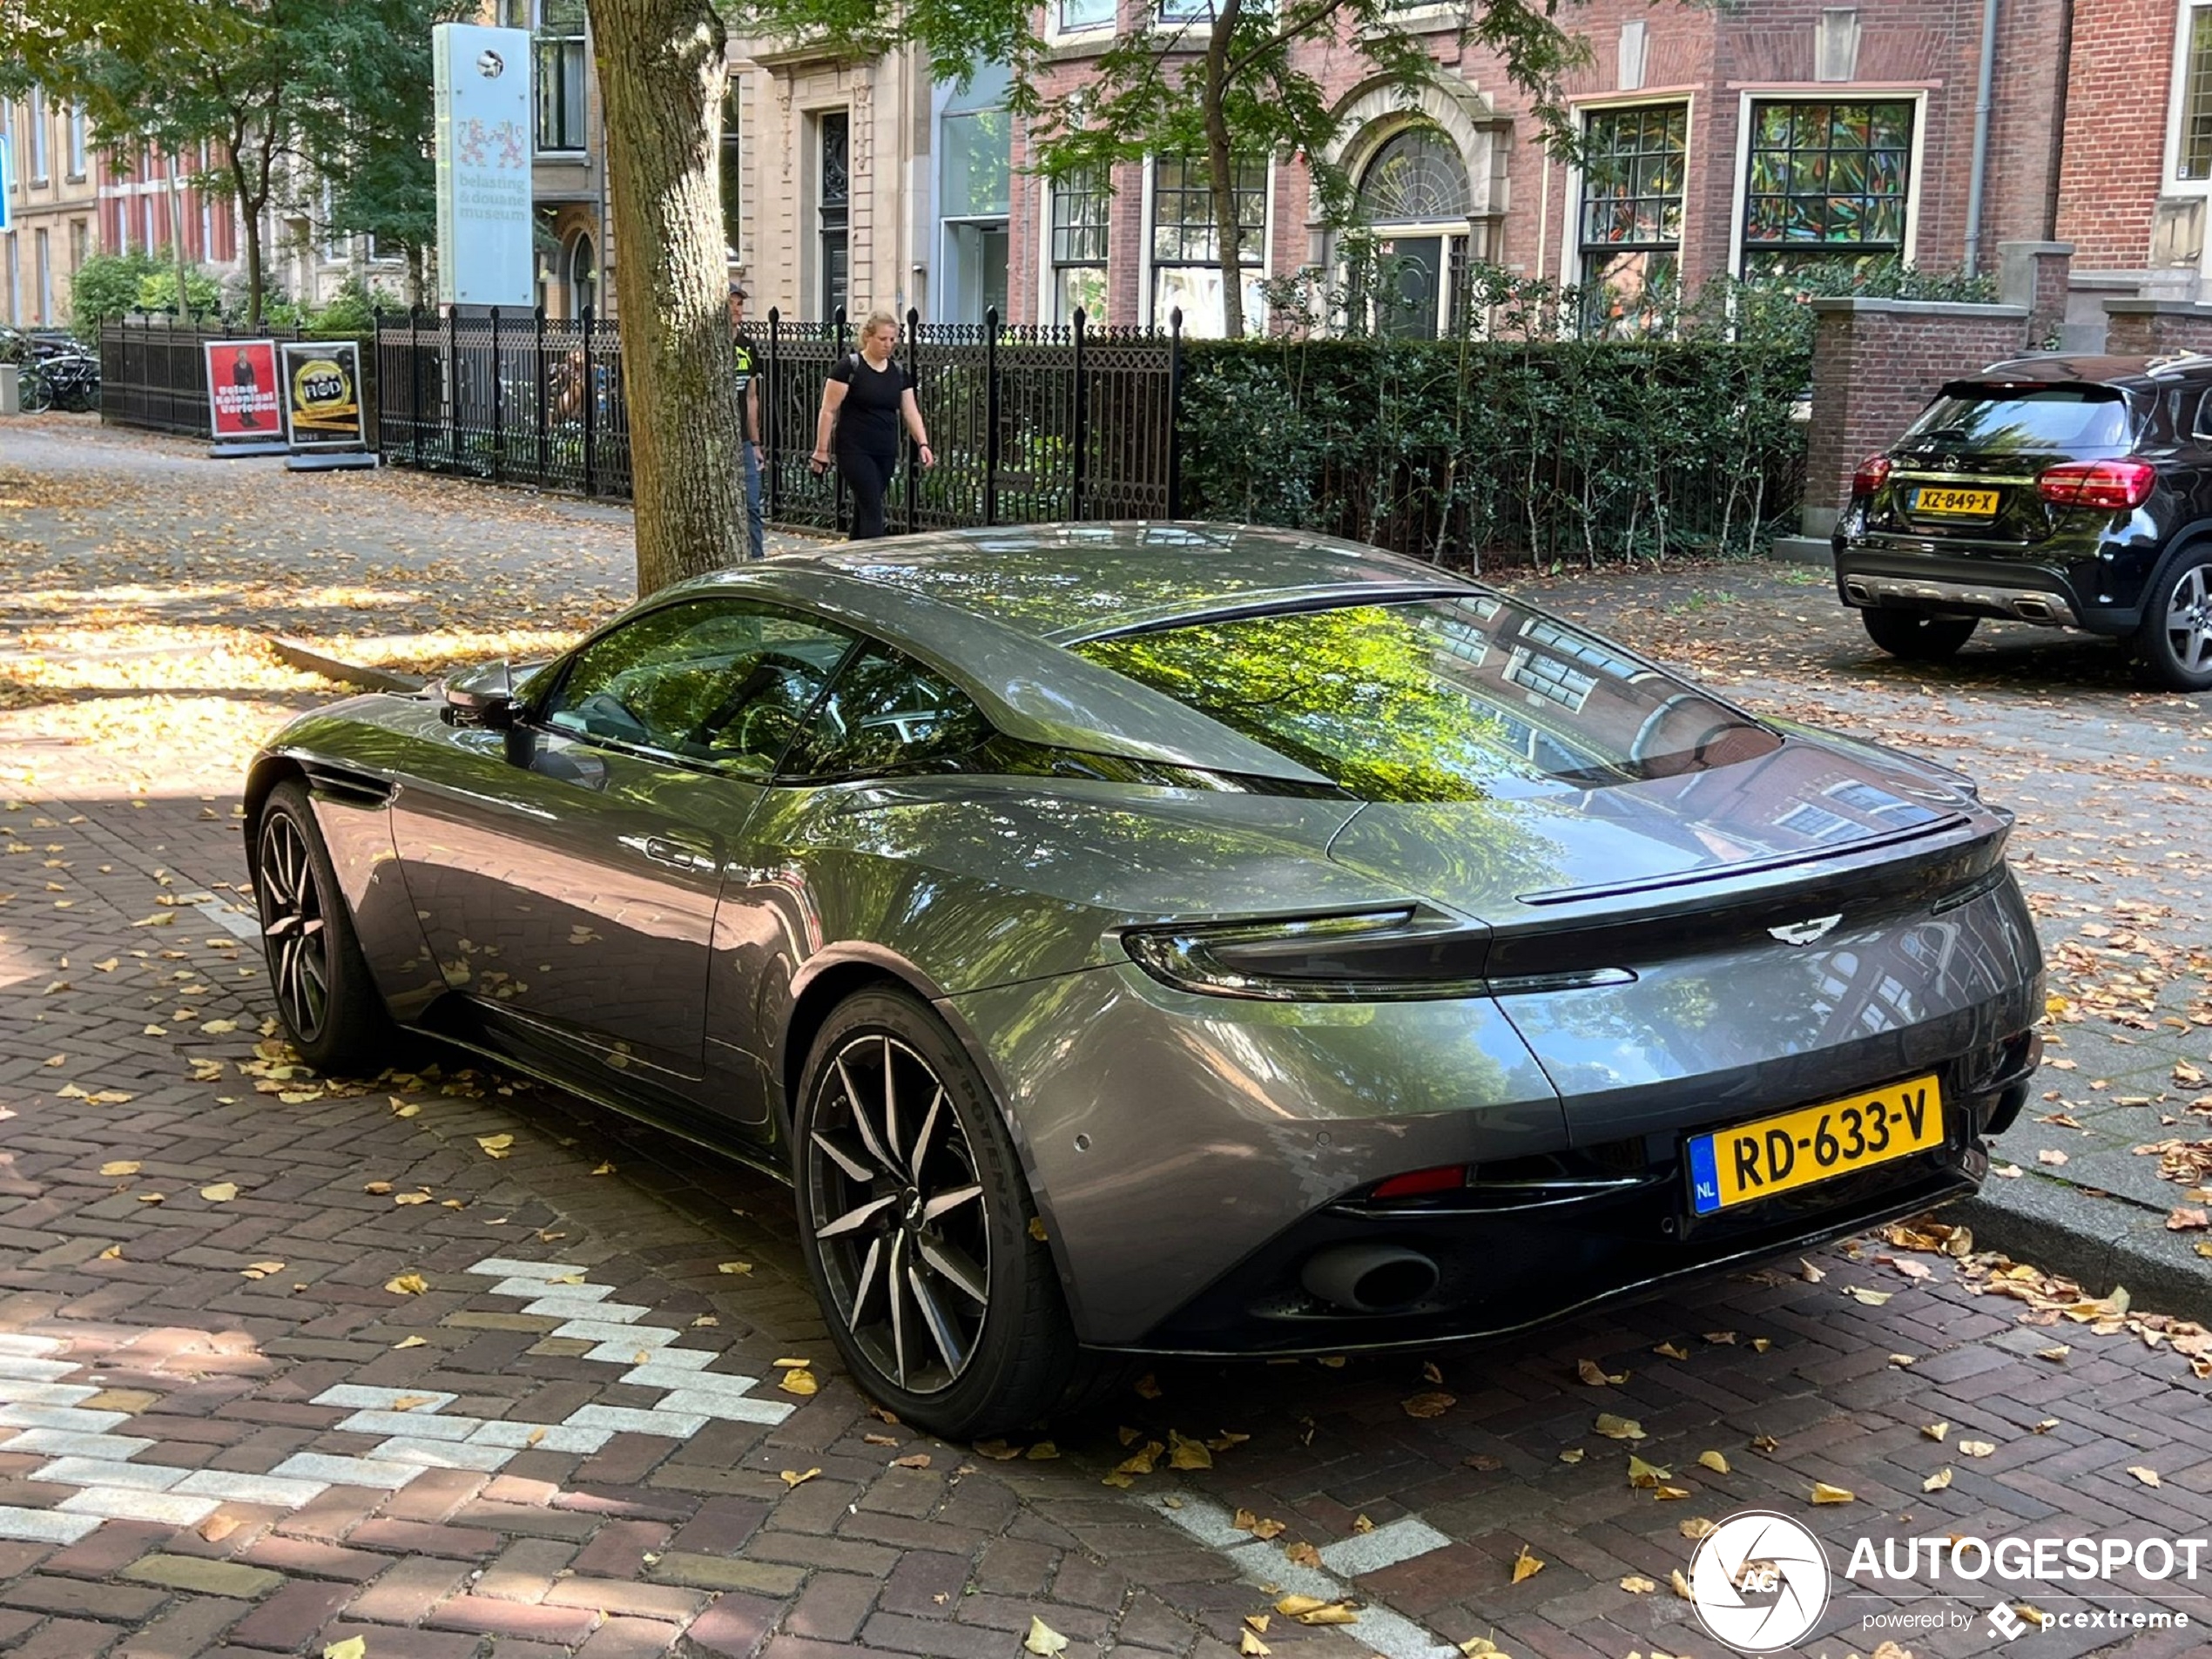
x: 2174, y: 362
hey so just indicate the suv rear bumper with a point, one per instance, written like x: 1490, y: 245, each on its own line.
x: 1871, y: 578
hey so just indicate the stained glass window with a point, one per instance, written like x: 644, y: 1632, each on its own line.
x: 1827, y: 181
x: 2197, y: 92
x: 1631, y: 215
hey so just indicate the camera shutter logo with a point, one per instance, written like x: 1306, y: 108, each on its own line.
x: 1759, y: 1582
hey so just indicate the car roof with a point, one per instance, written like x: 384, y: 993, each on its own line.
x: 1070, y: 582
x: 995, y: 608
x: 2081, y: 369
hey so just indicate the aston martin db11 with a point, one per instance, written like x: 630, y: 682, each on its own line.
x: 1170, y: 939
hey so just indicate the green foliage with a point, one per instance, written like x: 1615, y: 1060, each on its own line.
x: 351, y: 311
x: 1526, y: 442
x: 105, y: 286
x: 158, y: 290
x: 341, y: 83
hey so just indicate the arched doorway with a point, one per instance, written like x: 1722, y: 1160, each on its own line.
x: 582, y: 275
x: 1415, y: 197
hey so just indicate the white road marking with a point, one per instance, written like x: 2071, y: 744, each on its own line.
x: 1392, y: 1543
x: 1385, y: 1632
x: 239, y: 923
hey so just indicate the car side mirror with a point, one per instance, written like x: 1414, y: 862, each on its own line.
x: 481, y: 697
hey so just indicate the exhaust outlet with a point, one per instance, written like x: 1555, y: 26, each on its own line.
x: 1858, y: 592
x: 1370, y: 1279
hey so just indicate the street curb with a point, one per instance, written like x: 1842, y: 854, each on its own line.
x: 332, y: 668
x: 2181, y: 1287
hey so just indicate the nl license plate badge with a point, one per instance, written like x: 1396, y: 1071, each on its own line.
x: 1955, y: 503
x: 1780, y: 1154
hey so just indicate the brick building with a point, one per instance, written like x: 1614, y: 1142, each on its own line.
x: 1732, y: 139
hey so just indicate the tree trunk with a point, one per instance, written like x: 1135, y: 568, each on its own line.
x: 662, y: 72
x: 249, y: 212
x: 1221, y: 173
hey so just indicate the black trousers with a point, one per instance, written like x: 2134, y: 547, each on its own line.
x: 868, y: 476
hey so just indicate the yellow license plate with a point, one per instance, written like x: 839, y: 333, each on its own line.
x: 1960, y: 503
x: 1774, y: 1155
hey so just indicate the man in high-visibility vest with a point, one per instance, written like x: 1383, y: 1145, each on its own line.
x: 749, y: 394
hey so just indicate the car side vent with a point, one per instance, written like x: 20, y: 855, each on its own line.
x: 354, y: 788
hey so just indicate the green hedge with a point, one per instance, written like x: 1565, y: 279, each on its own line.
x: 1528, y: 443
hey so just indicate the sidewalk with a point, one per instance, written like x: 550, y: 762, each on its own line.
x: 471, y: 1370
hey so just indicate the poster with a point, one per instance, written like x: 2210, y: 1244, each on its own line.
x: 482, y: 92
x: 323, y: 401
x: 243, y: 399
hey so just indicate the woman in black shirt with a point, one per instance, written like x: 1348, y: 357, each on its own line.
x: 868, y: 395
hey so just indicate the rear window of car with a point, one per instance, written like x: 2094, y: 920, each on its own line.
x: 1441, y: 699
x: 2038, y: 419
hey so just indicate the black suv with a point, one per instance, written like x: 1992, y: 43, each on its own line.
x: 2075, y: 492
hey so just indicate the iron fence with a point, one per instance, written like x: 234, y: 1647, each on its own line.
x: 1028, y: 425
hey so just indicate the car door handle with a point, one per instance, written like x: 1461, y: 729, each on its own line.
x: 682, y: 855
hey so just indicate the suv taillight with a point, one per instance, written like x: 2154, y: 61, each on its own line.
x: 2112, y: 485
x: 1872, y: 474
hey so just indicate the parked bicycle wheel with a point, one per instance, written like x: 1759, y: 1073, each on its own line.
x: 36, y: 395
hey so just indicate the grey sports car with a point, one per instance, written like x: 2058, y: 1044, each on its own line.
x: 1171, y: 939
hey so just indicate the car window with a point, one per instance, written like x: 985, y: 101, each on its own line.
x: 713, y: 680
x: 1443, y: 699
x: 884, y: 714
x: 2005, y: 420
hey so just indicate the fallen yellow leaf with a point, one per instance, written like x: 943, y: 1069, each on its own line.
x: 1872, y: 1298
x: 798, y: 1381
x: 496, y: 1146
x: 120, y: 1166
x: 1636, y: 1585
x: 1644, y: 1475
x: 1251, y: 1647
x: 1618, y: 1428
x: 733, y: 1267
x: 1937, y: 1481
x: 1671, y: 1351
x: 1823, y: 1493
x: 795, y: 1478
x: 408, y: 1285
x: 1714, y: 1461
x: 1429, y: 1405
x: 1526, y: 1565
x: 1935, y: 1431
x: 1043, y: 1640
x: 1976, y: 1448
x: 411, y: 1342
x: 2149, y: 1477
x: 221, y: 1192
x: 351, y: 1647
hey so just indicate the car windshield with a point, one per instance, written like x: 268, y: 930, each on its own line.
x: 2040, y: 419
x: 1441, y: 699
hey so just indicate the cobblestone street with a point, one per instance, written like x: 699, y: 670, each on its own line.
x: 461, y: 1365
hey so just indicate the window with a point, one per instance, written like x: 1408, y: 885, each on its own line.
x: 560, y: 67
x: 1428, y: 699
x: 1079, y: 215
x: 1186, y: 270
x: 2194, y: 158
x: 34, y: 107
x: 712, y: 680
x: 834, y: 212
x: 1827, y: 183
x: 583, y: 274
x: 43, y: 272
x: 975, y: 148
x: 77, y: 141
x: 732, y: 172
x: 79, y: 244
x: 1078, y: 15
x: 1631, y: 219
x: 886, y: 713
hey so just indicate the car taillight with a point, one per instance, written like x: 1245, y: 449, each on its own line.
x: 1450, y: 1178
x: 1872, y: 474
x: 2111, y: 485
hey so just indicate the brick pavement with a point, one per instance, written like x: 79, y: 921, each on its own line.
x: 229, y: 1434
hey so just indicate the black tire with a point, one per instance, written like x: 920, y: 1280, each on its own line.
x: 325, y: 999
x: 1916, y: 636
x: 2174, y: 642
x: 34, y: 395
x: 893, y: 1165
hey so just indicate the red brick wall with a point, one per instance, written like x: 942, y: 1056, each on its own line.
x: 1875, y: 365
x: 2144, y: 329
x: 2118, y: 82
x: 1713, y: 55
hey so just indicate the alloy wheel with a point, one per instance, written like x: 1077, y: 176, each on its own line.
x: 2188, y: 621
x: 294, y: 926
x: 900, y: 1220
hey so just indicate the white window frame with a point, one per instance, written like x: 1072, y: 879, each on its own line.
x: 37, y: 169
x: 78, y: 150
x: 1570, y: 252
x: 1047, y: 271
x: 1826, y: 92
x: 1145, y: 243
x: 1097, y: 33
x: 2170, y: 181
